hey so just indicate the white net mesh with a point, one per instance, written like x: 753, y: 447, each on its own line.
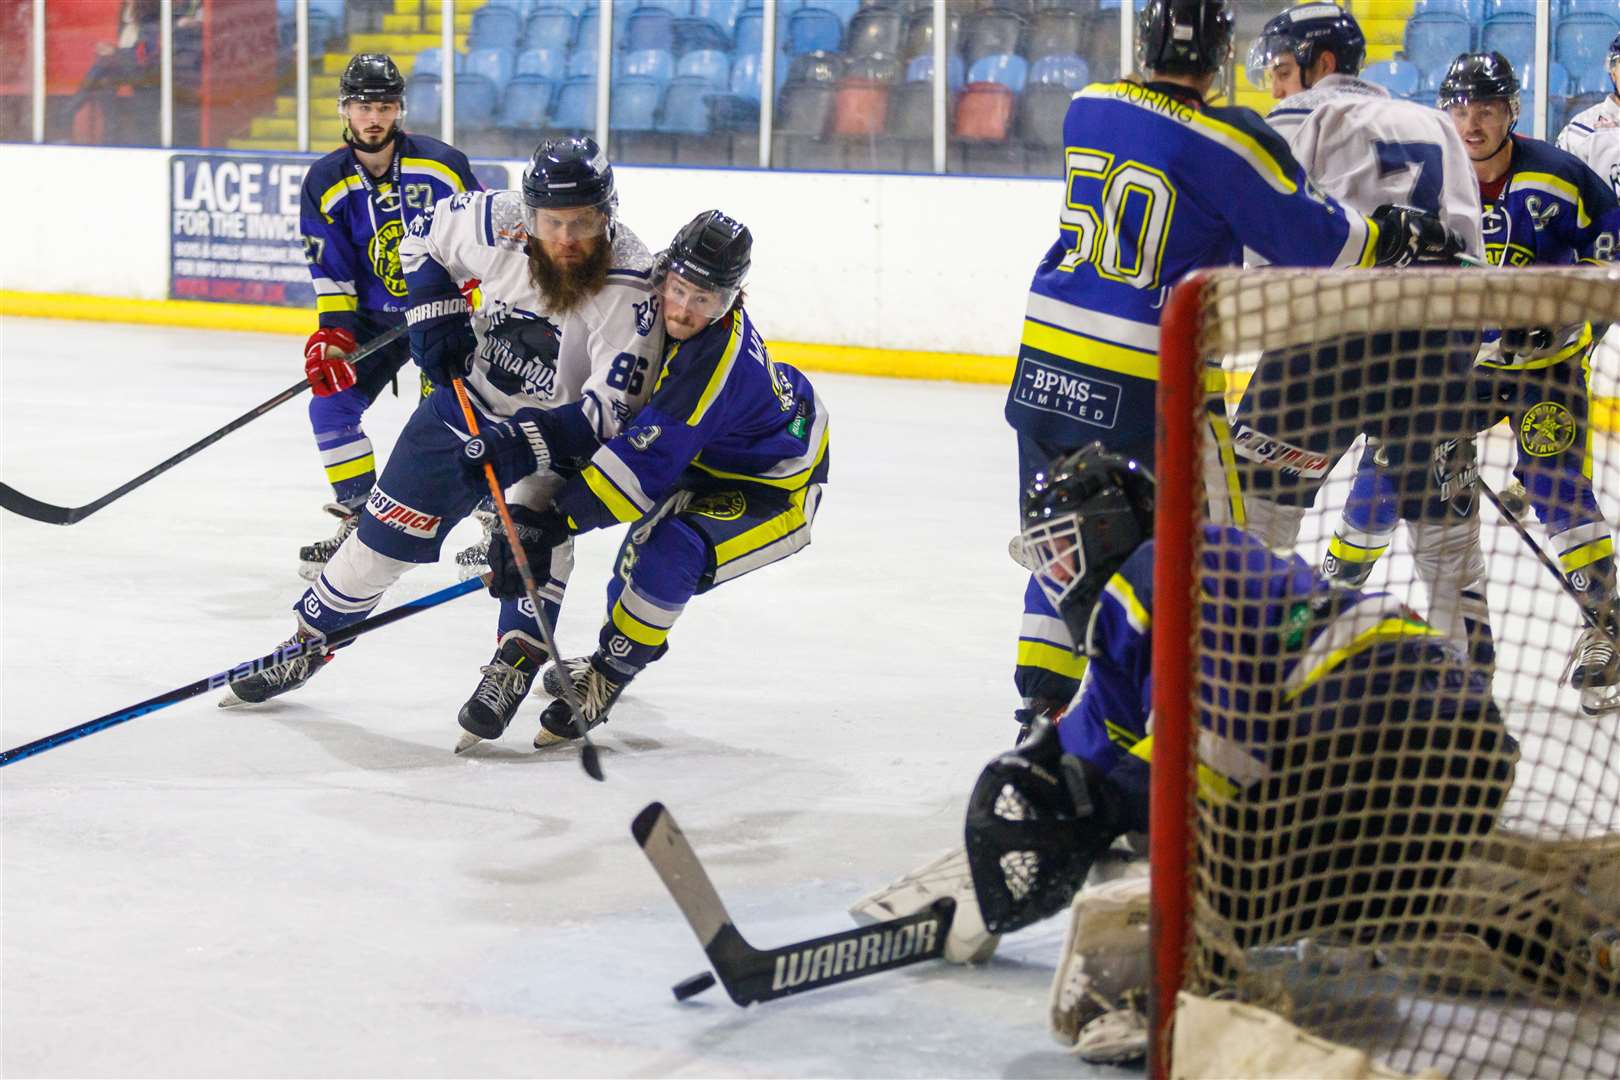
x: 1408, y: 826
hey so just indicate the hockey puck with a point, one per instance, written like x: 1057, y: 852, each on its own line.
x: 693, y: 986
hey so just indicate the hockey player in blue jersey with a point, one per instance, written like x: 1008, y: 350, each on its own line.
x: 1158, y: 183
x: 1542, y: 206
x: 357, y: 204
x: 719, y: 475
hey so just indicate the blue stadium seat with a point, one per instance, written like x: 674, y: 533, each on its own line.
x: 674, y: 7
x: 330, y: 9
x: 525, y: 102
x: 476, y: 103
x: 548, y: 63
x: 745, y: 77
x: 574, y: 108
x: 844, y: 9
x: 1450, y: 7
x: 1602, y: 7
x: 635, y: 104
x: 1557, y: 91
x: 429, y: 62
x: 921, y: 69
x: 700, y: 35
x: 713, y: 67
x: 813, y: 30
x: 750, y: 32
x: 422, y: 102
x: 495, y: 64
x: 1008, y: 69
x: 549, y: 28
x: 686, y: 107
x: 1581, y: 41
x: 1061, y: 69
x: 494, y: 26
x: 649, y: 28
x: 586, y: 30
x: 723, y: 13
x: 1435, y: 39
x: 1497, y: 7
x: 582, y: 61
x: 1513, y: 35
x: 322, y: 29
x: 655, y: 64
x: 1399, y: 77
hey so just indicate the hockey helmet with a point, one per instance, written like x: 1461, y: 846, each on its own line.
x: 713, y: 253
x: 1481, y: 76
x: 1305, y: 33
x: 371, y: 77
x: 1184, y: 37
x: 1612, y: 64
x: 567, y: 173
x: 1082, y: 518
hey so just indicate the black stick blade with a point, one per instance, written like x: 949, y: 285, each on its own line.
x: 18, y: 503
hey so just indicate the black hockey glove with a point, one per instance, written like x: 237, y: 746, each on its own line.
x: 442, y: 339
x: 539, y: 531
x: 1407, y: 235
x: 516, y: 447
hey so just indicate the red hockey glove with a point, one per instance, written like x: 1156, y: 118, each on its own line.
x: 326, y: 360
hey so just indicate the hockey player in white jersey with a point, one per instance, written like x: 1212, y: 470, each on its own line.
x: 1593, y: 134
x: 567, y: 324
x: 1366, y: 148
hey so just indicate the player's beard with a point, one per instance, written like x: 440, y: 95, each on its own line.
x: 564, y: 287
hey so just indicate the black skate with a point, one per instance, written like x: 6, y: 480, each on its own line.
x: 505, y: 684
x: 312, y: 558
x: 596, y: 686
x: 277, y: 679
x: 1594, y: 670
x: 474, y: 561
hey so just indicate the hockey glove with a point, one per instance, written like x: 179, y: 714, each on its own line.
x: 326, y: 360
x: 442, y: 339
x: 539, y: 531
x: 515, y: 447
x: 1407, y: 235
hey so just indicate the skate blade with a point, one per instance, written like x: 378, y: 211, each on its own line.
x: 1600, y: 701
x: 231, y: 701
x: 310, y: 571
x: 545, y: 740
x: 467, y: 741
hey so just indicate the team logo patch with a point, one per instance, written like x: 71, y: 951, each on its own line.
x: 619, y: 645
x: 721, y: 505
x: 401, y: 518
x: 1548, y: 428
x: 641, y: 438
x: 646, y: 315
x: 462, y: 200
x: 1456, y: 474
x: 384, y: 252
x: 312, y: 606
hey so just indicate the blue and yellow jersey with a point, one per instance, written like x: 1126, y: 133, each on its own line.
x: 1552, y: 210
x: 721, y: 411
x: 1272, y: 631
x: 1157, y: 184
x: 353, y: 222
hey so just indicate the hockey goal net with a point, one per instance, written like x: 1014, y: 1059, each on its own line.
x: 1398, y: 832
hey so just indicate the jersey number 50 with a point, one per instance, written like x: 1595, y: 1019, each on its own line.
x: 1118, y: 212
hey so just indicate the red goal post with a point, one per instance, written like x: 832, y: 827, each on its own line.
x: 1410, y: 995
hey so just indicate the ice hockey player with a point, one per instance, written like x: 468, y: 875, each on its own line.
x: 567, y: 323
x: 720, y: 473
x: 1366, y: 148
x: 1541, y: 206
x: 1088, y: 358
x: 1593, y: 134
x: 357, y: 204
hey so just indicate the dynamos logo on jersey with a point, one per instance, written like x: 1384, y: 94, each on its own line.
x: 646, y: 315
x: 522, y: 356
x: 396, y: 515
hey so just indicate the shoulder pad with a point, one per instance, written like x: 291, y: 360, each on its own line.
x: 506, y: 217
x: 631, y: 259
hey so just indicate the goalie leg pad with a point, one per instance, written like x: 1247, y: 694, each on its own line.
x: 1098, y: 1002
x: 968, y: 942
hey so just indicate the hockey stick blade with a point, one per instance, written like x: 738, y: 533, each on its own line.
x: 51, y: 514
x: 751, y: 974
x: 247, y: 667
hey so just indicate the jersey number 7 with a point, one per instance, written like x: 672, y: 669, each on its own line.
x: 1394, y: 157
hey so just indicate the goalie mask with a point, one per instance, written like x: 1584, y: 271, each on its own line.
x: 1083, y: 518
x: 1032, y: 832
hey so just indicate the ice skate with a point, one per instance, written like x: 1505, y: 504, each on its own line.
x: 473, y: 561
x: 506, y: 682
x: 595, y: 687
x: 1098, y: 1001
x: 1594, y: 670
x: 277, y: 679
x: 312, y: 558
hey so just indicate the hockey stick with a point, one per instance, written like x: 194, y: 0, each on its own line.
x: 1546, y: 560
x: 751, y: 974
x: 589, y: 759
x: 18, y: 503
x: 247, y: 667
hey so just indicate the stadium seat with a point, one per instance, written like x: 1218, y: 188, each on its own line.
x: 1434, y: 40
x: 816, y: 67
x: 1581, y: 41
x: 549, y: 28
x: 990, y: 32
x: 1513, y: 35
x: 1602, y: 7
x: 423, y: 99
x: 496, y: 27
x: 322, y: 29
x: 699, y: 35
x: 984, y: 112
x: 750, y: 32
x: 476, y: 103
x: 1040, y: 121
x: 713, y: 67
x: 582, y: 61
x: 575, y: 106
x: 1498, y: 7
x: 1057, y: 33
x: 805, y: 108
x: 874, y: 32
x: 813, y: 30
x: 722, y: 13
x: 589, y: 26
x: 877, y: 69
x: 911, y: 111
x: 635, y: 102
x: 921, y: 69
x: 1399, y: 77
x: 523, y: 106
x: 919, y: 35
x: 495, y: 64
x: 686, y: 106
x: 861, y: 107
x: 745, y: 77
x: 674, y: 7
x: 1008, y: 69
x: 846, y: 10
x: 430, y: 62
x: 1065, y: 70
x: 655, y: 64
x: 549, y: 63
x: 649, y: 28
x: 1450, y: 7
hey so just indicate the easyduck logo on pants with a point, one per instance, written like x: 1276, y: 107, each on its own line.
x: 396, y: 515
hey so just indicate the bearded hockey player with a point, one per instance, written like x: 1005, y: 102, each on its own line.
x: 719, y: 475
x: 1088, y: 358
x: 358, y: 203
x: 567, y: 323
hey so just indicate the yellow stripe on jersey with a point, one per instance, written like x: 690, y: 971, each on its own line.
x: 1091, y: 352
x: 433, y: 168
x: 1059, y: 661
x: 337, y: 302
x: 611, y: 497
x: 717, y: 380
x: 1558, y: 188
x: 1391, y: 629
x: 334, y: 194
x: 764, y: 534
x: 1125, y: 597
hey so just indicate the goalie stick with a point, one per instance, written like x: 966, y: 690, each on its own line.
x: 18, y: 503
x: 751, y: 974
x: 247, y: 667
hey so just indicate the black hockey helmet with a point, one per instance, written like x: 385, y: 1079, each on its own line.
x: 1305, y: 33
x: 1083, y: 517
x: 569, y: 172
x: 1184, y: 37
x: 371, y: 77
x: 1480, y: 76
x: 713, y: 252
